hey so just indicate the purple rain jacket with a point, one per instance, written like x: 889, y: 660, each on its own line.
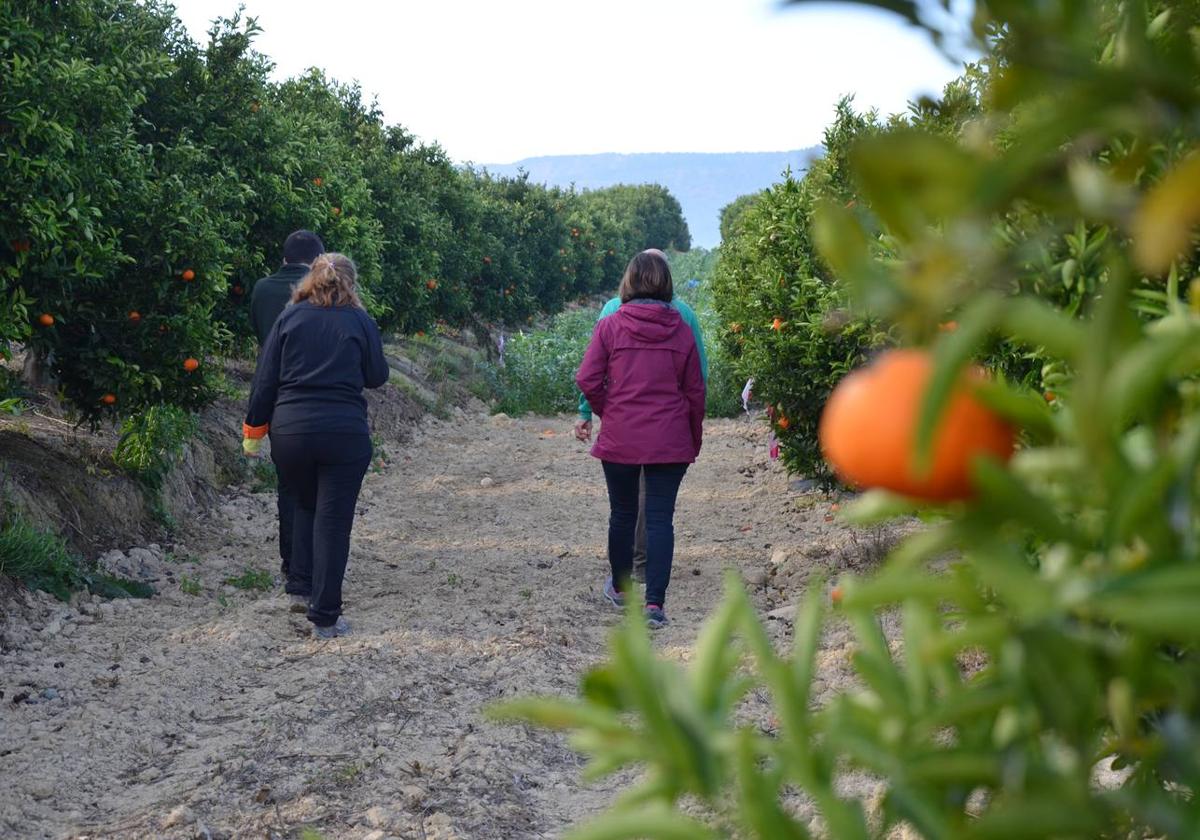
x: 641, y: 375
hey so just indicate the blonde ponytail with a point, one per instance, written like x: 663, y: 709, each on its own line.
x: 330, y: 282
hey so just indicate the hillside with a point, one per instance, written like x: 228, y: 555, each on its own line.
x: 703, y: 183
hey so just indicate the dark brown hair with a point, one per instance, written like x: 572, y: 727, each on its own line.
x: 330, y: 282
x: 648, y: 275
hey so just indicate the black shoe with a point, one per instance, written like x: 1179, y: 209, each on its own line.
x: 656, y: 617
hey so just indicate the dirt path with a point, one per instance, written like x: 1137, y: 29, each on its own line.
x: 215, y: 715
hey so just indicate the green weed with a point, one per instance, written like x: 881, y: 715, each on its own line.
x: 39, y: 559
x: 252, y: 580
x: 42, y: 560
x: 263, y: 477
x: 190, y: 585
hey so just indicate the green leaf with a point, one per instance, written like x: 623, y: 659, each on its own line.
x: 654, y: 822
x: 1142, y: 372
x: 952, y: 353
x: 759, y: 797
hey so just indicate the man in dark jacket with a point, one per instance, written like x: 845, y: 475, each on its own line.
x: 272, y: 294
x: 268, y: 299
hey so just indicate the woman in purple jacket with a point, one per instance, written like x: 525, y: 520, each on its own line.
x: 641, y: 375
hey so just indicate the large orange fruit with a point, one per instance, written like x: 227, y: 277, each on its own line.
x: 190, y: 364
x: 868, y: 430
x: 109, y: 399
x: 188, y: 275
x: 46, y: 319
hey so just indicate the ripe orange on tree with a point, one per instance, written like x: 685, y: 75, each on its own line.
x: 188, y: 275
x: 431, y: 285
x: 135, y: 316
x: 868, y: 429
x: 783, y: 422
x: 777, y: 324
x: 109, y: 399
x: 46, y: 319
x: 190, y: 364
x: 318, y: 181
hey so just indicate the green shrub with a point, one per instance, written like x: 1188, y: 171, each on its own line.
x: 151, y: 441
x: 539, y: 367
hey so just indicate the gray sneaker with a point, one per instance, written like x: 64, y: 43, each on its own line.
x: 298, y: 603
x: 656, y: 617
x: 339, y: 628
x: 610, y: 592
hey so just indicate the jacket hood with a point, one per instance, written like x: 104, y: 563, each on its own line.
x: 650, y: 322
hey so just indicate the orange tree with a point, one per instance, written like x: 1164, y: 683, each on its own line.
x: 114, y: 249
x: 1043, y: 682
x: 785, y: 316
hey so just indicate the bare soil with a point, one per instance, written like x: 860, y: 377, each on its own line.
x: 209, y: 711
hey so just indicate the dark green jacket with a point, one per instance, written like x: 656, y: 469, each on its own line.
x: 271, y: 295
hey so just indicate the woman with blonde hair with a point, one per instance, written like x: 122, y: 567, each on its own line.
x: 308, y: 395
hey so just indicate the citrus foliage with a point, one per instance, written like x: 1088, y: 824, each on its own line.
x: 1044, y: 683
x: 786, y: 322
x: 148, y: 181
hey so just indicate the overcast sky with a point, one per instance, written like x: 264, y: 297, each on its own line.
x: 494, y: 82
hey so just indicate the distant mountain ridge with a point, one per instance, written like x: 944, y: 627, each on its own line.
x: 703, y: 182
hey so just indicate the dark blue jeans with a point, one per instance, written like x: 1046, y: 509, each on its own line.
x: 662, y: 486
x: 322, y: 474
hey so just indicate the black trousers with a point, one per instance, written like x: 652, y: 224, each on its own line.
x: 321, y: 474
x: 287, y: 521
x: 662, y: 487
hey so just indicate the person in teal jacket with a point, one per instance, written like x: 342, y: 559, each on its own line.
x: 583, y: 426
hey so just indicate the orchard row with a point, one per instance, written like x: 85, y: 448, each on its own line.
x: 148, y: 181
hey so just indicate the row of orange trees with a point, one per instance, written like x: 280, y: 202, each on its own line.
x: 1025, y: 663
x: 147, y: 181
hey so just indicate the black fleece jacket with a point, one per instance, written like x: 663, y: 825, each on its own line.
x: 271, y: 295
x: 312, y: 370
